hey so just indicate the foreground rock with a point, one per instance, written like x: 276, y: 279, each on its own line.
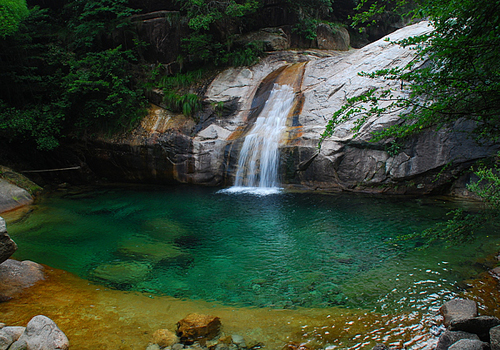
x: 7, y: 245
x: 198, y: 332
x: 197, y: 327
x: 41, y: 333
x: 467, y: 330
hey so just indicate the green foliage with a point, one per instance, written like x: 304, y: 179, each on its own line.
x: 203, y: 14
x: 368, y: 12
x: 187, y: 104
x: 462, y: 225
x: 100, y: 92
x: 452, y: 76
x: 92, y: 18
x: 213, y: 25
x: 455, y: 76
x: 50, y: 92
x: 38, y: 123
x: 12, y: 12
x: 306, y: 27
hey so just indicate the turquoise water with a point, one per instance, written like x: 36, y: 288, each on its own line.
x: 284, y: 250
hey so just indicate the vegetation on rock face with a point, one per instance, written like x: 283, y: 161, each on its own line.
x: 455, y: 76
x: 76, y: 67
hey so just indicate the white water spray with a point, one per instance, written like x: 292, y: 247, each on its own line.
x: 259, y: 156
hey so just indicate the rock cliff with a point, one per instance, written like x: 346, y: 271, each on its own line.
x: 169, y: 148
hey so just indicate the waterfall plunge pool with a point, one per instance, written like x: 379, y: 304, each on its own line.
x: 300, y: 256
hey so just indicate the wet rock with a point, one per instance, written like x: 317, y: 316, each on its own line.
x: 449, y: 337
x: 18, y: 275
x: 164, y: 338
x: 196, y: 327
x: 480, y: 325
x: 458, y: 309
x: 177, y: 346
x: 7, y: 245
x: 469, y: 344
x: 41, y: 333
x: 495, y: 338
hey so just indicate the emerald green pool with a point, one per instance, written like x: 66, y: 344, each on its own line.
x: 285, y: 250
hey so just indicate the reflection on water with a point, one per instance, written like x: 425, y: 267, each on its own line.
x: 291, y: 266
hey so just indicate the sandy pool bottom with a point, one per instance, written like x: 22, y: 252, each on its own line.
x: 94, y: 317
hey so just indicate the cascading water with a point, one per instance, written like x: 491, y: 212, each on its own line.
x: 259, y: 156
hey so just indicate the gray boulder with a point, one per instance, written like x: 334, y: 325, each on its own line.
x: 469, y: 344
x: 458, y: 309
x: 14, y: 332
x: 7, y: 245
x: 18, y: 275
x: 332, y: 38
x: 5, y: 341
x: 12, y: 196
x: 480, y: 325
x: 495, y: 338
x: 42, y: 334
x: 274, y: 39
x: 449, y: 338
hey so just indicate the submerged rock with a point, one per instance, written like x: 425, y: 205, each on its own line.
x: 153, y: 251
x: 122, y: 272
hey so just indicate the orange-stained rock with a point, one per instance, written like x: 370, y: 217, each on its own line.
x: 164, y: 338
x: 196, y: 327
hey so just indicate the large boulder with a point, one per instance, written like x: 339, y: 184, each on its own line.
x: 274, y: 39
x: 480, y: 325
x: 41, y: 333
x: 469, y: 344
x: 458, y: 309
x: 332, y: 38
x: 7, y: 245
x: 15, y: 276
x: 448, y: 338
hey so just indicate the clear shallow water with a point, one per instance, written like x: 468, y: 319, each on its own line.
x: 284, y: 250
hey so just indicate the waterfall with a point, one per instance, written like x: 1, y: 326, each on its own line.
x: 259, y: 156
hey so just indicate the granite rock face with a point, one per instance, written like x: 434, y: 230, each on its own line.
x: 169, y: 148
